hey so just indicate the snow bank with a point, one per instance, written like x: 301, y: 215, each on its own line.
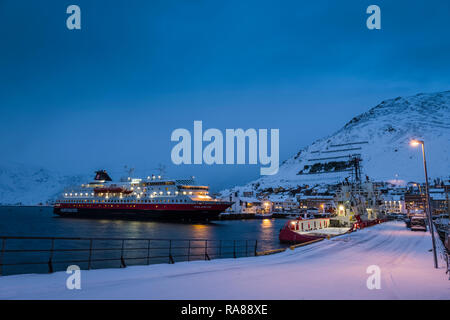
x: 330, y: 269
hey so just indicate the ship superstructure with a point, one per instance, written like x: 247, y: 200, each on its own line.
x: 357, y: 206
x: 357, y: 201
x: 150, y: 197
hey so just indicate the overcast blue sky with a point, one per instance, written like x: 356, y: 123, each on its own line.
x: 111, y: 93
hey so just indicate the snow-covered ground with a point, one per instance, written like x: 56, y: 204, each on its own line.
x: 330, y: 269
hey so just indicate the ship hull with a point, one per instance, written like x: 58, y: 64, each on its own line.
x: 141, y: 212
x: 292, y: 237
x: 301, y: 231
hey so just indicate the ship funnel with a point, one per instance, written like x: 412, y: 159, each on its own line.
x: 102, y: 175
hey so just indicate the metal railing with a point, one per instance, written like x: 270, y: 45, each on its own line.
x: 49, y: 254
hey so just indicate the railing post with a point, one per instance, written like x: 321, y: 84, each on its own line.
x: 448, y: 264
x: 90, y: 254
x: 171, y: 261
x: 220, y: 252
x: 246, y: 248
x: 206, y: 250
x: 2, y: 254
x: 148, y: 251
x: 50, y: 265
x: 122, y: 260
x: 189, y: 250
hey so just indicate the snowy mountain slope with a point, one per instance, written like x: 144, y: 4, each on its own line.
x: 20, y: 184
x: 382, y: 137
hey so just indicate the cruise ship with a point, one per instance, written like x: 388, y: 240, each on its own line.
x: 152, y: 197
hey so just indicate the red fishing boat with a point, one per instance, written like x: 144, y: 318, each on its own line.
x: 305, y: 230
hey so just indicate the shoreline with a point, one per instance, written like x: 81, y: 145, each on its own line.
x: 222, y: 216
x: 289, y: 275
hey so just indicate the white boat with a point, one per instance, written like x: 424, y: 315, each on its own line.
x: 262, y: 215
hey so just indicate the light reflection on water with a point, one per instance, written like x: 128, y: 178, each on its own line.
x: 29, y: 221
x: 42, y: 222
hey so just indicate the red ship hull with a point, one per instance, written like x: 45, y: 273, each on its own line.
x: 192, y: 211
x: 288, y: 236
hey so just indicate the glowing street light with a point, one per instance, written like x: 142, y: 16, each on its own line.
x: 415, y: 143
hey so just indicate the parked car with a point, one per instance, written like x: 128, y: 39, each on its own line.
x: 418, y: 224
x: 395, y: 216
x: 408, y: 222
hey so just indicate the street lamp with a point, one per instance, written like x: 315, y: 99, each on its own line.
x: 415, y: 143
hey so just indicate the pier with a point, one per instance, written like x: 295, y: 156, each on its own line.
x: 333, y: 268
x: 21, y: 255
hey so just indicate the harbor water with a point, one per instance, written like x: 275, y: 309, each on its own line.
x: 41, y: 222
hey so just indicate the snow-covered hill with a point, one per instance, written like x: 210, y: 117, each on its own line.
x: 20, y: 184
x: 381, y: 137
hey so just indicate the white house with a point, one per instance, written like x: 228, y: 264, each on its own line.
x: 247, y: 205
x: 394, y: 203
x: 283, y: 203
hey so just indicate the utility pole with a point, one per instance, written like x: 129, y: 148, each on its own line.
x: 430, y: 220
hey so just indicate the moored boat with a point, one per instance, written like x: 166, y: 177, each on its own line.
x: 305, y: 230
x: 357, y: 206
x: 152, y: 197
x: 263, y: 215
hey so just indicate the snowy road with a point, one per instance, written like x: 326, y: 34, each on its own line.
x: 330, y: 269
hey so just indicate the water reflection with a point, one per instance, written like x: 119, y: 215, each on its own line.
x: 33, y: 222
x: 267, y: 223
x: 200, y: 231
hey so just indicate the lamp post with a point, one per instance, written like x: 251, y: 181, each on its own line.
x: 415, y: 143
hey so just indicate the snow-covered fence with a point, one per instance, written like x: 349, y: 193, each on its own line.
x: 48, y: 254
x: 442, y: 252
